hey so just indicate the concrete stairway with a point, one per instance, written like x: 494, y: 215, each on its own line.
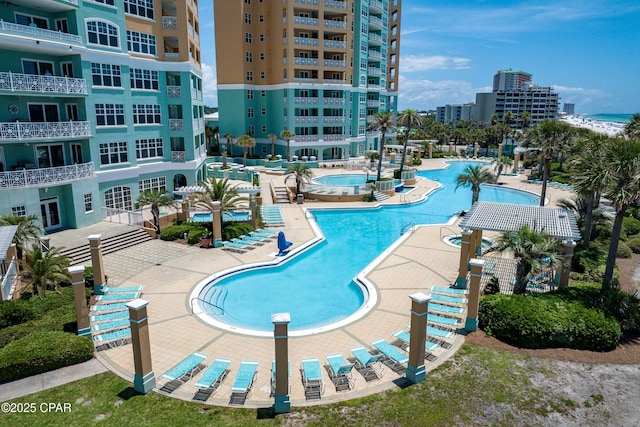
x: 81, y: 254
x: 380, y: 196
x: 281, y: 195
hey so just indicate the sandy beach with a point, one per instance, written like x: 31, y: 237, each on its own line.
x: 607, y: 128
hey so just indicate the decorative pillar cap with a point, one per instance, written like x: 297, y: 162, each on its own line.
x: 476, y: 261
x: 137, y: 304
x: 420, y: 297
x: 94, y: 236
x: 278, y: 318
x: 76, y: 269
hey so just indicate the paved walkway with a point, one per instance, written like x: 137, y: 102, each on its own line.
x: 169, y: 271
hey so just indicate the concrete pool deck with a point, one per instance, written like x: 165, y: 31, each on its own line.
x: 169, y: 271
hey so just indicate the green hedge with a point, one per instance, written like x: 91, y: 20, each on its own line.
x: 175, y: 232
x: 232, y: 229
x: 624, y: 251
x: 42, y: 351
x: 630, y: 225
x: 15, y: 312
x: 634, y: 243
x: 547, y: 321
x: 61, y: 319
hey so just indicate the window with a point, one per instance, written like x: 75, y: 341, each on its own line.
x: 262, y: 74
x: 109, y: 114
x: 118, y: 198
x: 249, y: 56
x: 250, y: 94
x: 264, y: 130
x: 261, y: 18
x: 146, y: 114
x: 106, y: 75
x: 158, y: 183
x: 247, y: 18
x: 102, y: 33
x: 247, y: 1
x: 19, y: 211
x: 141, y: 42
x: 107, y: 2
x: 249, y: 76
x: 149, y: 148
x: 251, y: 130
x: 261, y: 56
x: 88, y: 203
x: 143, y: 79
x: 112, y: 153
x: 263, y: 111
x: 247, y: 37
x: 250, y: 113
x: 262, y: 37
x: 142, y: 8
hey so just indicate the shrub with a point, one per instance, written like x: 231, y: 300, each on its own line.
x: 234, y: 229
x: 59, y: 319
x: 15, y: 312
x: 417, y: 162
x: 630, y: 225
x: 634, y: 243
x: 624, y: 251
x: 175, y: 232
x: 368, y: 198
x: 547, y: 321
x: 42, y: 351
x: 624, y: 307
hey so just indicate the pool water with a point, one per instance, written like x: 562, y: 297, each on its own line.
x: 343, y: 180
x: 457, y: 241
x: 317, y: 286
x: 226, y: 216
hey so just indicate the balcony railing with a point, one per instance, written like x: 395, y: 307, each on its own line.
x: 170, y: 22
x: 313, y: 2
x: 305, y: 100
x: 335, y: 63
x: 177, y: 156
x: 176, y: 124
x: 375, y: 54
x: 375, y: 4
x: 196, y: 94
x: 334, y: 119
x: 13, y: 82
x: 306, y: 138
x: 40, y: 33
x: 336, y: 137
x: 174, y: 91
x: 306, y: 119
x: 373, y: 103
x: 9, y: 280
x: 335, y: 44
x: 334, y: 101
x: 376, y: 22
x: 305, y: 41
x: 306, y: 79
x: 171, y: 55
x: 306, y: 61
x: 335, y: 24
x: 374, y: 71
x: 335, y: 4
x: 338, y: 81
x: 377, y: 38
x: 31, y: 177
x: 19, y: 131
x: 303, y: 20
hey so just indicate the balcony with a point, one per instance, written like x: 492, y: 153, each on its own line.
x: 376, y: 6
x: 306, y: 138
x: 336, y: 137
x: 373, y: 71
x: 313, y: 62
x: 303, y: 20
x: 12, y: 82
x: 334, y: 119
x: 334, y: 101
x: 334, y: 63
x: 27, y: 131
x: 335, y: 24
x: 39, y: 34
x: 335, y: 81
x: 375, y: 22
x: 178, y: 156
x: 312, y: 2
x: 171, y: 55
x: 335, y: 4
x: 305, y: 100
x: 196, y: 94
x: 373, y: 103
x: 375, y: 55
x: 306, y: 119
x: 305, y: 41
x: 376, y: 39
x: 335, y: 44
x: 176, y: 124
x: 306, y: 79
x: 170, y: 22
x: 46, y: 176
x: 174, y: 92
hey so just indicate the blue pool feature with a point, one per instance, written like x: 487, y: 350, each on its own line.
x: 343, y: 180
x: 226, y: 216
x: 457, y: 241
x: 316, y: 287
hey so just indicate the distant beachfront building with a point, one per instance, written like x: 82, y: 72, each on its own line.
x: 569, y: 108
x: 510, y: 80
x: 451, y: 113
x: 100, y: 100
x: 317, y: 68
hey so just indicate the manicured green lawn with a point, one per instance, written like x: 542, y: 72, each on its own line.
x: 477, y: 386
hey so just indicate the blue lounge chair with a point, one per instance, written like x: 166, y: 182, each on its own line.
x: 122, y: 289
x: 392, y: 356
x: 109, y: 307
x: 367, y: 364
x: 253, y: 239
x: 214, y: 375
x: 312, y: 378
x: 112, y: 339
x: 446, y: 309
x: 451, y: 300
x: 108, y: 317
x: 262, y: 235
x: 110, y: 326
x: 186, y: 369
x: 405, y: 337
x: 340, y: 372
x: 235, y: 247
x: 247, y: 243
x: 118, y: 297
x: 267, y: 231
x: 245, y: 377
x: 445, y: 290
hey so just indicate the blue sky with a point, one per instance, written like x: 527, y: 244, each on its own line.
x: 589, y: 50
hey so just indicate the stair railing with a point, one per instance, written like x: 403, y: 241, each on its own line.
x: 410, y: 227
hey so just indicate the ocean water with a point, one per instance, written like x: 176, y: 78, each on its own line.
x: 620, y: 118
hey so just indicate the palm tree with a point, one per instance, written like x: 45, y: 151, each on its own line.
x: 473, y: 177
x: 286, y: 135
x: 155, y: 199
x: 409, y: 119
x: 301, y: 172
x: 272, y: 137
x: 622, y: 187
x: 587, y: 217
x: 217, y: 191
x: 525, y: 118
x: 532, y: 249
x: 28, y: 229
x: 382, y: 122
x: 500, y: 164
x: 44, y: 269
x: 549, y: 137
x: 632, y: 128
x: 246, y: 142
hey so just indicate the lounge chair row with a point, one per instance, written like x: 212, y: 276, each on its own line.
x: 249, y: 241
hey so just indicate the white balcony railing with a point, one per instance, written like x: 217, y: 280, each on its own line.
x: 32, y: 177
x: 374, y: 71
x: 305, y: 100
x: 335, y: 63
x: 306, y: 119
x: 305, y: 41
x: 375, y: 54
x: 373, y: 103
x: 176, y: 124
x: 313, y: 2
x: 40, y: 33
x: 172, y: 55
x: 9, y: 280
x: 336, y: 137
x: 177, y: 156
x: 170, y: 22
x: 303, y: 20
x: 306, y: 138
x: 335, y: 44
x: 334, y: 119
x: 376, y: 21
x: 377, y: 38
x: 375, y: 4
x: 18, y: 131
x: 306, y: 79
x: 335, y: 4
x: 306, y: 61
x: 334, y: 101
x: 338, y: 81
x: 174, y: 91
x: 334, y: 24
x: 13, y: 82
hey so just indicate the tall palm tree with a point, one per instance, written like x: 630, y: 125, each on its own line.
x: 500, y: 164
x: 622, y: 187
x: 44, y: 269
x: 632, y: 128
x: 548, y: 137
x: 301, y: 172
x: 286, y: 135
x: 382, y: 121
x: 246, y: 142
x: 587, y: 217
x: 272, y: 137
x: 525, y: 118
x: 155, y: 199
x: 29, y: 229
x: 215, y: 190
x: 532, y: 249
x: 410, y: 119
x: 474, y: 177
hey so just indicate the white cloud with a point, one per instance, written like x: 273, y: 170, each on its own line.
x: 209, y: 85
x: 423, y: 94
x: 410, y: 63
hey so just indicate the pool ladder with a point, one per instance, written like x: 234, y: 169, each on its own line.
x: 410, y: 227
x: 448, y: 229
x: 217, y: 295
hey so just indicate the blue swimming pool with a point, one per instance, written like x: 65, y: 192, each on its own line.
x: 317, y: 286
x: 227, y: 216
x: 343, y: 180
